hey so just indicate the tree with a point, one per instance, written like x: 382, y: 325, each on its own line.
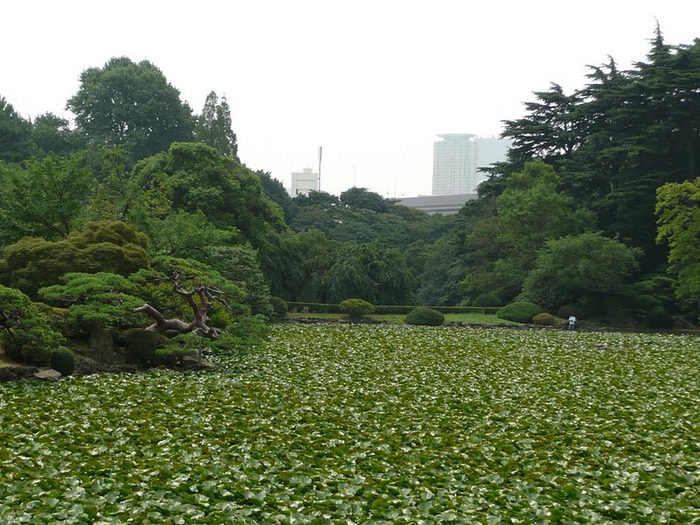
x: 195, y: 178
x: 199, y: 290
x: 214, y: 126
x: 531, y: 211
x: 25, y: 333
x: 277, y: 193
x: 678, y: 212
x: 550, y: 131
x: 104, y: 246
x: 371, y: 272
x: 44, y: 197
x: 130, y: 104
x: 239, y: 264
x: 96, y: 300
x: 15, y: 134
x: 52, y: 134
x: 572, y: 267
x: 365, y: 199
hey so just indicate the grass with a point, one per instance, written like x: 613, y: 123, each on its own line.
x: 372, y: 424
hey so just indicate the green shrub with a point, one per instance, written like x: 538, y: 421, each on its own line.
x: 25, y: 333
x: 35, y: 354
x: 356, y: 308
x: 422, y: 315
x: 142, y: 345
x: 487, y: 299
x: 657, y: 317
x: 63, y: 360
x: 279, y: 306
x: 519, y: 312
x: 544, y: 319
x: 568, y: 310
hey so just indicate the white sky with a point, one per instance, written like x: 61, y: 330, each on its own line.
x: 372, y: 81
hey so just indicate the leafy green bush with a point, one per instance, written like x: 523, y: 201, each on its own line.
x: 279, y: 306
x: 356, y: 308
x: 35, y: 354
x: 487, y: 299
x: 544, y: 319
x: 657, y: 317
x: 25, y: 334
x: 519, y: 312
x: 141, y: 345
x: 422, y: 315
x: 63, y: 360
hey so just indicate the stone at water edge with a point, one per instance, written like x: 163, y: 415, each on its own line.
x: 48, y: 375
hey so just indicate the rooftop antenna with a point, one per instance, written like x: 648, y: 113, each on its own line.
x: 320, y: 155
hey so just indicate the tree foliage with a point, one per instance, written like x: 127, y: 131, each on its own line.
x: 25, y: 333
x: 43, y: 197
x: 572, y: 267
x: 105, y: 246
x: 130, y: 104
x: 15, y: 134
x: 678, y: 211
x: 214, y: 126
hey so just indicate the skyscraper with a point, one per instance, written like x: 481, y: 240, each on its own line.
x: 456, y: 160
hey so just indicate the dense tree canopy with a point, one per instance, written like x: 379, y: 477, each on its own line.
x: 573, y: 267
x: 15, y: 134
x: 130, y: 104
x: 678, y: 210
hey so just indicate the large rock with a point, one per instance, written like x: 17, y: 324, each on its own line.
x: 48, y: 375
x: 101, y: 344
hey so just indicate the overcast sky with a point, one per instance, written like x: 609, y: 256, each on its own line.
x: 372, y: 81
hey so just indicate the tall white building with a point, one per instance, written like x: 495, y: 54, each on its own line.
x: 304, y: 182
x: 457, y: 157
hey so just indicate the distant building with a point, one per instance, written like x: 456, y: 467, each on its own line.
x: 437, y: 204
x: 457, y: 159
x: 304, y: 182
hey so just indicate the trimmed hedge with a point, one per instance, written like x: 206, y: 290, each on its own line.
x: 422, y: 315
x: 279, y: 306
x: 519, y: 312
x: 321, y: 308
x: 356, y: 308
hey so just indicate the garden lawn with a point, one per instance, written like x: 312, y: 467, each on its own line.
x: 369, y: 424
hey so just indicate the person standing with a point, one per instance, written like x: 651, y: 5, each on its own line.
x: 572, y: 322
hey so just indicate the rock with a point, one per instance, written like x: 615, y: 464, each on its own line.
x: 193, y: 363
x: 13, y: 373
x: 48, y: 375
x: 101, y: 343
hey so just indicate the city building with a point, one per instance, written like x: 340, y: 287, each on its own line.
x: 437, y: 204
x: 457, y: 159
x: 304, y: 182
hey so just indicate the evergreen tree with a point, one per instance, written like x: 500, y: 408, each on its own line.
x: 214, y: 126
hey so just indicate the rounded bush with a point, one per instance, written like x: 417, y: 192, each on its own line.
x: 519, y: 312
x: 63, y: 360
x: 279, y: 306
x: 657, y: 317
x: 356, y: 308
x: 422, y: 315
x: 488, y: 299
x: 544, y: 319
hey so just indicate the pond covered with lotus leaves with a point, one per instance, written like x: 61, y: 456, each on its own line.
x: 369, y: 424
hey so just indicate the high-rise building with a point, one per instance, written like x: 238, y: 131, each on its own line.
x: 304, y: 182
x: 457, y: 158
